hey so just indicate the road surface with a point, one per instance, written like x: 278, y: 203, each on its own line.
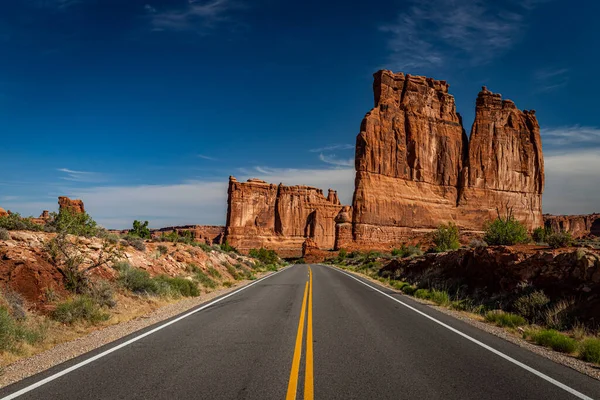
x: 320, y: 335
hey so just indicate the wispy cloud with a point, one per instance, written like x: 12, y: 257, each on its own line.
x: 195, y: 16
x: 80, y: 176
x: 549, y: 79
x: 433, y: 33
x: 332, y: 147
x: 334, y: 160
x: 573, y: 136
x: 202, y: 156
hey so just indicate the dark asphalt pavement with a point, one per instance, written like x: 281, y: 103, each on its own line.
x: 366, y: 346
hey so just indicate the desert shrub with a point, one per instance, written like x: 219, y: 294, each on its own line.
x: 590, y: 350
x: 232, y: 271
x: 214, y: 272
x: 14, y: 222
x: 4, y: 235
x: 111, y: 238
x: 407, y: 251
x: 140, y: 229
x: 422, y: 294
x: 13, y: 331
x: 439, y: 297
x: 264, y: 256
x: 409, y: 289
x: 74, y: 223
x: 206, y: 248
x: 446, y: 237
x: 557, y: 316
x: 228, y: 284
x: 540, y: 234
x: 502, y: 318
x: 136, y: 280
x: 81, y: 308
x: 476, y: 243
x: 226, y: 247
x: 162, y: 249
x: 300, y: 261
x: 205, y: 280
x: 103, y: 294
x: 505, y: 231
x: 342, y: 254
x: 532, y: 306
x: 178, y: 286
x: 136, y: 242
x: 559, y: 239
x: 271, y: 267
x: 553, y: 339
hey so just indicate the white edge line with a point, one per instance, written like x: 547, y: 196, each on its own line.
x: 485, y: 346
x: 130, y: 341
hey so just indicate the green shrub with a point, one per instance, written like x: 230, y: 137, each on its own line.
x: 440, y: 297
x: 553, y: 339
x: 81, y: 308
x: 590, y: 350
x: 206, y: 248
x: 205, y: 280
x: 14, y: 331
x: 446, y: 237
x: 228, y: 284
x: 407, y: 251
x: 264, y: 256
x: 4, y: 235
x: 422, y: 294
x: 505, y: 231
x: 232, y: 271
x: 136, y: 242
x: 14, y: 222
x: 214, y: 272
x: 272, y: 267
x: 162, y: 249
x: 532, y: 306
x: 342, y: 254
x: 103, y: 294
x: 540, y: 234
x: 502, y: 318
x: 178, y: 286
x: 300, y: 261
x: 137, y: 280
x: 409, y: 290
x: 557, y: 316
x: 74, y: 223
x: 226, y: 247
x: 140, y: 229
x: 559, y: 239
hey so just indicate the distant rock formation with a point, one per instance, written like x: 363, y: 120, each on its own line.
x: 578, y: 225
x: 279, y: 217
x: 209, y: 234
x: 3, y: 212
x: 415, y: 167
x: 76, y: 206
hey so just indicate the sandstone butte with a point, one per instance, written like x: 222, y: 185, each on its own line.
x: 279, y: 217
x: 578, y: 225
x: 76, y: 206
x: 416, y: 168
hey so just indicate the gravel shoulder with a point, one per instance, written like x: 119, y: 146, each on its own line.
x: 586, y: 368
x: 29, y: 366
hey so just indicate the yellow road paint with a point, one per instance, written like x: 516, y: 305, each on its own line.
x: 308, y: 375
x: 293, y: 383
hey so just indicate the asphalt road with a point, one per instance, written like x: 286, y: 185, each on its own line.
x: 365, y: 345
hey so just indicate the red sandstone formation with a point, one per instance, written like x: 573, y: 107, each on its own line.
x: 76, y: 206
x: 343, y: 228
x: 3, y: 212
x: 578, y: 225
x: 416, y: 169
x: 505, y: 165
x: 279, y: 217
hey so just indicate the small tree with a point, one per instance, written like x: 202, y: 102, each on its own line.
x: 74, y: 223
x: 505, y: 231
x: 446, y: 237
x: 559, y: 239
x: 140, y: 229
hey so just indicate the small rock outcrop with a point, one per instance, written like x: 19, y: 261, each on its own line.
x: 279, y: 217
x: 3, y: 212
x: 76, y: 206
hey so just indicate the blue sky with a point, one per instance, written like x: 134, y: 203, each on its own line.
x: 144, y: 108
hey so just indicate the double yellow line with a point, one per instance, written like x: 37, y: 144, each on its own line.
x: 308, y: 370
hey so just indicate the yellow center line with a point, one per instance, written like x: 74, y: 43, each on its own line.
x: 293, y: 383
x: 308, y: 376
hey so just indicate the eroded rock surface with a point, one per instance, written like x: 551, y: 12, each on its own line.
x: 578, y: 225
x: 279, y: 217
x: 76, y: 206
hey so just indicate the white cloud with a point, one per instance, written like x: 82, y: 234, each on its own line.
x: 572, y: 182
x: 202, y: 156
x: 549, y: 79
x: 574, y: 135
x: 441, y: 32
x: 194, y: 16
x: 334, y: 160
x: 332, y: 147
x: 80, y: 176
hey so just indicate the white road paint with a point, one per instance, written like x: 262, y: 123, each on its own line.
x: 130, y: 341
x: 477, y: 342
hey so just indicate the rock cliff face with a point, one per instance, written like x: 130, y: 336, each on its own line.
x: 415, y: 167
x: 505, y: 165
x: 209, y: 234
x: 578, y: 225
x: 3, y: 212
x: 75, y: 206
x: 279, y: 217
